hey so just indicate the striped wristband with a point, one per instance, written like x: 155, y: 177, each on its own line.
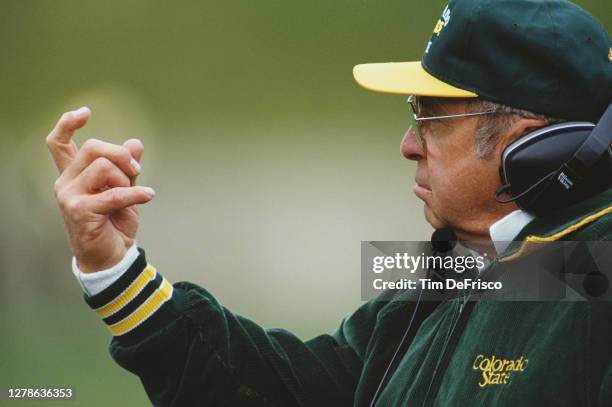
x: 131, y: 300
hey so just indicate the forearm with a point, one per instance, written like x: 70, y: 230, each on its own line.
x: 188, y: 348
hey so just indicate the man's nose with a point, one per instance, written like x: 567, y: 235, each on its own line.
x: 410, y: 148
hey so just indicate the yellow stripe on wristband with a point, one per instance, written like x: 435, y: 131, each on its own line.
x: 148, y: 274
x: 147, y: 309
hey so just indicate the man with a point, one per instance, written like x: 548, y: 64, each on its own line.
x: 492, y: 72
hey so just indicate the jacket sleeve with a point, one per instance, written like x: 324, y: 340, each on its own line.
x: 188, y: 349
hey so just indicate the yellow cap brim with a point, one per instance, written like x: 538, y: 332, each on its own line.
x: 405, y: 78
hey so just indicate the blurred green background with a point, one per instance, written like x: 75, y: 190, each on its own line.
x: 269, y: 162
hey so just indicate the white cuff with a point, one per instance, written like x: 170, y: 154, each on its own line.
x: 94, y: 283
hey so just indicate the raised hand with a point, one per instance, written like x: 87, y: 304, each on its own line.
x: 96, y: 192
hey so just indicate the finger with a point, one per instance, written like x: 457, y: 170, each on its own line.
x: 135, y: 147
x: 115, y: 199
x: 93, y: 149
x: 59, y: 141
x: 100, y: 175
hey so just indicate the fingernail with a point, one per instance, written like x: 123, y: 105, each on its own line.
x: 136, y: 165
x: 80, y: 112
x: 149, y: 191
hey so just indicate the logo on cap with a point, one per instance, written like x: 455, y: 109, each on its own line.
x: 442, y: 21
x: 440, y: 24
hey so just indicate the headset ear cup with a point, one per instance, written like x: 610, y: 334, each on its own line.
x: 548, y: 197
x: 567, y: 188
x: 531, y: 169
x: 505, y: 186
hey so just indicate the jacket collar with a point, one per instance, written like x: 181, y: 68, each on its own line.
x: 558, y: 225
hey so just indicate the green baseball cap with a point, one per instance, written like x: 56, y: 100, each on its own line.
x: 546, y: 56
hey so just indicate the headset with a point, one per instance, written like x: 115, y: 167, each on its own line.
x: 557, y: 166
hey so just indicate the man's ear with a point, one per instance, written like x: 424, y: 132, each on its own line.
x: 518, y: 129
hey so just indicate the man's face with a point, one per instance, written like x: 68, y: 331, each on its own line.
x: 455, y: 184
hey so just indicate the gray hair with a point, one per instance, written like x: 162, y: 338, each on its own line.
x: 492, y: 126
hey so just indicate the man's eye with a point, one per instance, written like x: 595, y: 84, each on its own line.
x: 426, y: 127
x: 439, y: 124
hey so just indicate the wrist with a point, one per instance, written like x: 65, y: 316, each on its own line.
x: 88, y: 263
x: 93, y: 283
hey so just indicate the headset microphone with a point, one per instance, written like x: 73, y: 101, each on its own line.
x: 557, y: 166
x: 443, y: 240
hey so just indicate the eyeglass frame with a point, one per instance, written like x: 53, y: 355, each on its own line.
x: 416, y: 120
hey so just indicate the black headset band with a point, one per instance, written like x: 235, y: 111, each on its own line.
x: 595, y: 145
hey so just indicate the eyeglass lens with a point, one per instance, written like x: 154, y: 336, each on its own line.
x: 414, y: 124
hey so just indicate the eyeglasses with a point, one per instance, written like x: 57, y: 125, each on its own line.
x: 416, y: 121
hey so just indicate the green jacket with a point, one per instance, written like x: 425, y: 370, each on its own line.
x: 189, y: 350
